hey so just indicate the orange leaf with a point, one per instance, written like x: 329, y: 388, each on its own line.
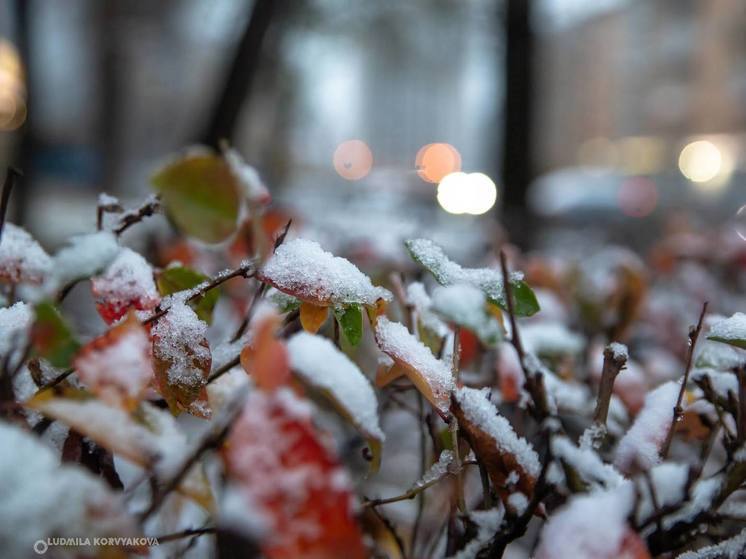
x: 118, y: 366
x: 298, y: 486
x: 266, y: 359
x: 312, y: 317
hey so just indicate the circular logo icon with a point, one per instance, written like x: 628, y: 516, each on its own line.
x: 41, y: 547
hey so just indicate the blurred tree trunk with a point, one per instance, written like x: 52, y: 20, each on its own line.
x: 241, y: 74
x: 517, y: 160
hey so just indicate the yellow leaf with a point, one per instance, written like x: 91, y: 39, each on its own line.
x: 312, y: 316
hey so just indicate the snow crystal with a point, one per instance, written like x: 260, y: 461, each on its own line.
x: 640, y: 447
x: 180, y: 329
x: 302, y: 268
x: 733, y: 328
x: 586, y: 463
x: 15, y: 322
x: 447, y: 272
x: 733, y: 548
x: 518, y: 502
x: 41, y: 498
x: 84, y: 256
x: 465, y: 305
x: 117, y: 365
x: 479, y: 411
x: 488, y: 522
x: 395, y: 340
x: 322, y: 365
x: 551, y: 338
x: 619, y: 351
x: 438, y: 469
x: 589, y: 526
x: 247, y: 177
x: 21, y: 257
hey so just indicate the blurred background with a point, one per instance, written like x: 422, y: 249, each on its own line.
x: 611, y: 120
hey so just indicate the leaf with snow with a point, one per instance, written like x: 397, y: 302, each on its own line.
x: 51, y: 337
x: 592, y: 526
x: 289, y: 483
x: 15, y: 323
x: 584, y: 467
x: 182, y: 359
x: 201, y: 195
x: 466, y: 306
x: 21, y: 258
x: 301, y: 268
x: 490, y: 281
x: 732, y: 548
x: 495, y: 443
x: 413, y: 359
x: 126, y: 284
x: 312, y: 317
x: 640, y: 448
x: 550, y: 339
x: 322, y: 366
x: 248, y: 178
x: 43, y: 499
x: 730, y: 330
x: 179, y: 278
x: 118, y: 366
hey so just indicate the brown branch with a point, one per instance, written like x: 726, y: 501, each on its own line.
x: 613, y: 364
x: 128, y: 219
x: 185, y: 534
x: 678, y: 411
x: 741, y: 411
x: 11, y: 176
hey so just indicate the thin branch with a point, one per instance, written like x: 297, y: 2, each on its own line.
x: 185, y: 534
x: 741, y: 413
x: 614, y: 362
x: 678, y: 411
x: 128, y: 219
x: 220, y: 371
x: 11, y: 176
x: 55, y: 381
x: 391, y: 529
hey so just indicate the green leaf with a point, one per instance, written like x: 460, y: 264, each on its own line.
x: 350, y: 320
x: 201, y: 196
x: 736, y: 342
x: 179, y: 278
x: 51, y: 337
x: 285, y: 303
x: 524, y: 299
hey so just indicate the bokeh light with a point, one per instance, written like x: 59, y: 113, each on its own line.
x: 435, y: 161
x: 466, y: 193
x: 700, y: 161
x: 638, y: 196
x: 598, y: 152
x: 353, y: 159
x: 12, y: 88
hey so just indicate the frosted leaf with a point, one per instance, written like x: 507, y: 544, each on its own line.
x: 322, y: 365
x: 303, y: 269
x: 21, y: 258
x: 586, y: 463
x: 730, y: 330
x: 84, y: 256
x: 640, y: 447
x: 15, y: 322
x: 247, y: 177
x: 488, y: 522
x: 127, y: 282
x: 590, y: 526
x: 118, y: 366
x: 447, y: 272
x: 466, y: 305
x: 182, y: 355
x: 551, y: 338
x: 42, y: 499
x: 396, y: 341
x: 482, y: 414
x: 733, y: 548
x: 438, y: 470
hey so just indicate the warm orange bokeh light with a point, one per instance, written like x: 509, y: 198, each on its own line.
x: 353, y: 159
x: 435, y: 161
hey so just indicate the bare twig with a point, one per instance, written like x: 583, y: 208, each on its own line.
x: 151, y: 206
x: 678, y: 411
x: 614, y: 362
x: 741, y: 413
x: 185, y: 534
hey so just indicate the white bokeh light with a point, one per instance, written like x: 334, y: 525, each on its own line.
x: 467, y: 193
x: 700, y: 161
